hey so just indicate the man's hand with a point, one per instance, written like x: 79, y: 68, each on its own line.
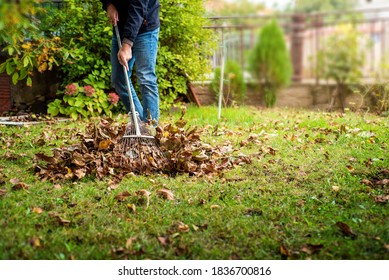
x: 124, y: 55
x: 113, y: 15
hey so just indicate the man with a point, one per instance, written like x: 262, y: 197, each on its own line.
x: 138, y: 23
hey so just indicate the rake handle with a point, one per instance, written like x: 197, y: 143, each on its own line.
x: 133, y: 112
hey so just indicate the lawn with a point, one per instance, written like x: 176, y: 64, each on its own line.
x: 316, y: 187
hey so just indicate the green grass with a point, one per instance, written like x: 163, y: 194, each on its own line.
x: 284, y: 198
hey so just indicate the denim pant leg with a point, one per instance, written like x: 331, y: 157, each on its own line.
x: 119, y: 82
x: 145, y: 50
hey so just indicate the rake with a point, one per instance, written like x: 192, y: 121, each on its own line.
x: 139, y: 149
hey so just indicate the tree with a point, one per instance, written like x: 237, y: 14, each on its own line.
x: 341, y: 60
x: 270, y: 62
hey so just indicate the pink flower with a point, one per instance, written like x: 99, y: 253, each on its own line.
x: 113, y: 98
x: 70, y: 89
x: 89, y: 90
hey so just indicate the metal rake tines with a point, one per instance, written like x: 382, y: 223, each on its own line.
x: 141, y: 154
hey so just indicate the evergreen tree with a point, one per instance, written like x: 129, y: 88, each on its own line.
x: 270, y: 62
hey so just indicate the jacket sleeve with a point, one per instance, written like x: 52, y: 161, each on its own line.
x: 136, y: 15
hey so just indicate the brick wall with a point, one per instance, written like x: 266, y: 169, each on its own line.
x: 5, y: 93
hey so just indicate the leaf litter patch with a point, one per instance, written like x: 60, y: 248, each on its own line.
x: 99, y: 153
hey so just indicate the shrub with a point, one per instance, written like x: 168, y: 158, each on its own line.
x: 84, y: 101
x: 270, y: 62
x: 184, y: 47
x: 234, y: 87
x: 341, y: 60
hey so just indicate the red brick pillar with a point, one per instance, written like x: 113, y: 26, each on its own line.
x: 5, y: 93
x: 297, y: 46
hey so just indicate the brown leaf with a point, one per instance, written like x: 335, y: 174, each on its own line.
x: 383, y: 182
x: 366, y: 182
x: 43, y: 157
x: 3, y: 192
x: 350, y: 168
x: 335, y: 188
x: 63, y: 221
x: 122, y: 196
x: 145, y: 195
x: 284, y: 251
x: 143, y: 192
x: 35, y: 242
x: 129, y: 242
x: 182, y: 227
x: 381, y: 198
x: 104, y: 145
x: 345, y: 229
x: 300, y: 203
x: 80, y: 173
x: 163, y: 240
x: 19, y: 186
x: 37, y: 210
x: 215, y: 206
x: 166, y: 193
x: 311, y: 249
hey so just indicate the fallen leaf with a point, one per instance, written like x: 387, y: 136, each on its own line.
x: 311, y: 249
x: 350, y: 168
x: 381, y: 198
x: 345, y: 229
x: 284, y: 251
x: 145, y: 195
x: 37, y: 210
x: 104, y: 145
x: 163, y: 240
x: 122, y: 196
x: 3, y: 192
x: 35, y: 242
x: 300, y: 203
x: 366, y: 182
x: 19, y: 186
x: 129, y: 242
x: 63, y: 221
x: 383, y: 182
x: 166, y: 193
x: 132, y: 207
x: 182, y: 227
x: 335, y: 188
x: 215, y: 206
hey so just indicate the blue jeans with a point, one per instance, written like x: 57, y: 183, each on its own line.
x: 144, y: 58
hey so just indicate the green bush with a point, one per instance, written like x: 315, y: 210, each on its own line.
x: 270, y: 62
x: 84, y: 101
x: 184, y: 47
x: 341, y: 60
x: 234, y: 87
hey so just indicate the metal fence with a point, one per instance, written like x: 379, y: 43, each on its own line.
x: 305, y: 35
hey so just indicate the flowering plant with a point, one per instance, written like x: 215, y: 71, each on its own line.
x: 113, y: 98
x: 83, y: 101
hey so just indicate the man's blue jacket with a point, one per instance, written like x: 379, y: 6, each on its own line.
x: 135, y: 16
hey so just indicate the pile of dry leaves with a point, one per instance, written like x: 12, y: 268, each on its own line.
x: 100, y: 153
